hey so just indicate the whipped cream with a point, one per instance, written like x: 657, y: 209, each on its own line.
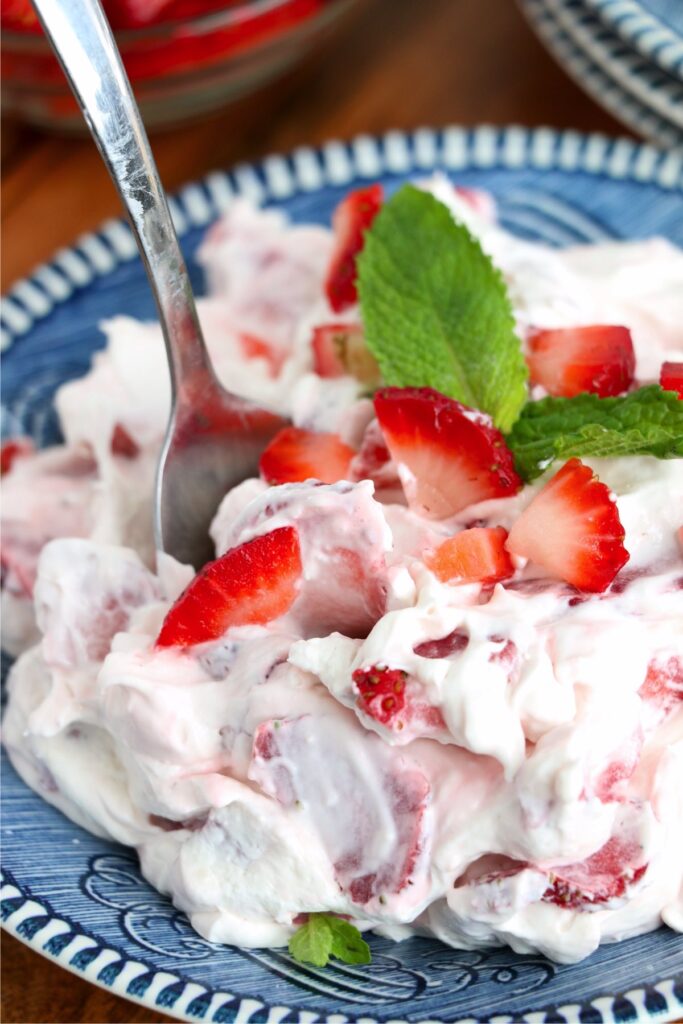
x: 541, y: 755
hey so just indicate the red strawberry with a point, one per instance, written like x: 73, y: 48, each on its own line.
x: 445, y: 647
x: 572, y: 530
x: 567, y: 361
x: 382, y: 692
x: 295, y: 455
x: 15, y: 448
x: 475, y: 555
x: 351, y: 219
x: 605, y: 875
x: 257, y: 348
x: 663, y: 684
x: 123, y: 444
x: 671, y: 377
x: 340, y: 349
x: 453, y: 455
x: 19, y: 15
x: 373, y: 460
x: 253, y: 583
x: 385, y: 695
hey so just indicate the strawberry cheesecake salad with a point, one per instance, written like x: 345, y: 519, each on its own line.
x: 432, y: 683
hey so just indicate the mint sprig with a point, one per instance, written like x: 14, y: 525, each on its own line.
x: 323, y: 936
x: 435, y: 308
x: 646, y: 422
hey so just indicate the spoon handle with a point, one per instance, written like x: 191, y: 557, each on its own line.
x: 85, y: 47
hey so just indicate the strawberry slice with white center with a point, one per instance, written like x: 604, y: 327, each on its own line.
x: 448, y: 456
x: 477, y: 555
x: 572, y: 530
x: 351, y: 219
x: 671, y: 377
x: 570, y: 360
x: 295, y: 455
x: 250, y: 584
x: 340, y: 349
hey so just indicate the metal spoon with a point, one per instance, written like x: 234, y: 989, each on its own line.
x: 214, y: 438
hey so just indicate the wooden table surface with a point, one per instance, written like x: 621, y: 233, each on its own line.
x: 393, y: 64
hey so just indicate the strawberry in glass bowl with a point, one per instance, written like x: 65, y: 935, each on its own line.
x: 183, y: 57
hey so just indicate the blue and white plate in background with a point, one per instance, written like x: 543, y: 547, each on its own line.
x: 602, y: 70
x: 80, y: 900
x: 654, y: 87
x: 652, y: 27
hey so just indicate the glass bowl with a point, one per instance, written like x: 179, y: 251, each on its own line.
x: 178, y: 69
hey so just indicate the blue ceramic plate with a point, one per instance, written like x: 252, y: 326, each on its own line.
x: 656, y: 89
x: 81, y: 901
x: 653, y: 27
x: 643, y: 97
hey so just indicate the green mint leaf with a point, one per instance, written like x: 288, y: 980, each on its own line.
x: 324, y: 935
x: 435, y: 309
x: 347, y: 942
x: 646, y: 422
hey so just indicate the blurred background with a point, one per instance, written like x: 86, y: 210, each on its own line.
x: 220, y: 82
x: 223, y: 81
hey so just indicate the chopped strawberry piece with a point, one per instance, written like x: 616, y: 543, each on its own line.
x: 351, y: 219
x: 295, y: 455
x: 123, y: 444
x: 382, y: 692
x: 257, y: 348
x: 373, y: 460
x: 569, y: 360
x: 340, y: 349
x: 671, y: 377
x: 451, y: 456
x: 663, y: 684
x: 384, y: 696
x: 445, y: 646
x: 572, y: 530
x: 477, y: 555
x: 15, y: 448
x: 253, y: 583
x: 605, y: 875
x: 609, y: 783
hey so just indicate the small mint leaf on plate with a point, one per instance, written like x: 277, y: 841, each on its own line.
x: 435, y: 309
x: 648, y: 421
x: 323, y: 936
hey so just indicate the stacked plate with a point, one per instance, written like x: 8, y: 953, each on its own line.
x: 628, y: 54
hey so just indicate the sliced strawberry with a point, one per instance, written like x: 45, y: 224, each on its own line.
x: 295, y: 455
x: 605, y: 875
x: 123, y: 444
x: 451, y: 456
x: 340, y: 349
x: 567, y: 361
x: 671, y: 377
x: 477, y: 555
x: 253, y: 583
x: 15, y: 448
x: 572, y: 530
x: 257, y: 348
x: 373, y: 460
x: 351, y: 219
